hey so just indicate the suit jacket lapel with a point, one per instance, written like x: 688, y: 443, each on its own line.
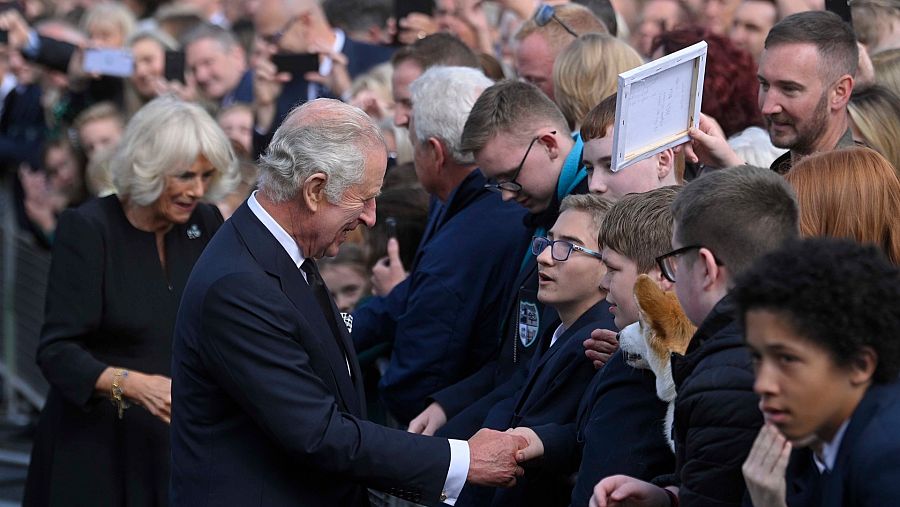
x: 272, y: 257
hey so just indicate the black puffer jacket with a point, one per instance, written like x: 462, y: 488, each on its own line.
x: 716, y: 412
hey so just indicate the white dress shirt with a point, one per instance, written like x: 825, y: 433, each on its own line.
x: 829, y: 451
x: 556, y: 334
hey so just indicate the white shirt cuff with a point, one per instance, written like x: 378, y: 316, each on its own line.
x: 459, y: 470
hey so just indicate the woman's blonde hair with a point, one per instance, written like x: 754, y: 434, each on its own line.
x: 165, y: 41
x: 887, y: 69
x: 586, y: 72
x: 851, y: 193
x: 378, y: 80
x: 110, y: 13
x: 875, y: 112
x: 165, y: 137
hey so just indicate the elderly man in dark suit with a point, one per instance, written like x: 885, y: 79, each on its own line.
x: 267, y: 396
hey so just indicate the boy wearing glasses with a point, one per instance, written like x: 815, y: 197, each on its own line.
x: 618, y: 428
x: 569, y: 270
x: 723, y: 222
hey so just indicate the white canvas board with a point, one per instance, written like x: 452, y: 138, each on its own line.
x: 657, y: 104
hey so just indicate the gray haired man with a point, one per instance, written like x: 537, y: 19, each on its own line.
x: 268, y: 404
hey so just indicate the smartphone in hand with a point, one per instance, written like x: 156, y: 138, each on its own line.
x: 403, y: 8
x: 391, y: 224
x: 109, y: 62
x: 296, y: 64
x: 174, y: 69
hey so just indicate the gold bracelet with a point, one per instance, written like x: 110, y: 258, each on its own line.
x: 117, y: 392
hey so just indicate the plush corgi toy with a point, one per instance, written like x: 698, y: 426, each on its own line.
x: 662, y: 329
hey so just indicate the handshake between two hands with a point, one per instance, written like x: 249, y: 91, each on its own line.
x: 495, y: 457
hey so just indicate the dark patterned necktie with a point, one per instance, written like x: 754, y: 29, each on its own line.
x: 321, y: 292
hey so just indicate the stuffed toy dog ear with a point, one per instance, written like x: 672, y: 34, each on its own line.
x: 672, y: 329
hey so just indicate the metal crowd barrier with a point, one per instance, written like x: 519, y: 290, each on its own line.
x: 23, y: 281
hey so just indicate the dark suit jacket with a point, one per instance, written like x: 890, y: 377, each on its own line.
x: 618, y: 430
x: 264, y: 410
x: 22, y: 133
x: 52, y: 53
x: 556, y: 382
x: 362, y: 56
x: 556, y: 378
x: 867, y: 469
x: 242, y: 93
x: 468, y: 402
x: 22, y: 128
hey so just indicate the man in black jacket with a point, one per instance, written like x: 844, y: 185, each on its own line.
x: 723, y: 222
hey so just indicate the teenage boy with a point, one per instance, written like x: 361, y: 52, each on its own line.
x: 570, y: 271
x: 597, y: 133
x: 827, y: 381
x: 723, y: 221
x: 654, y: 172
x: 619, y: 424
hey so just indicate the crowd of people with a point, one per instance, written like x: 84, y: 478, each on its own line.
x: 329, y: 252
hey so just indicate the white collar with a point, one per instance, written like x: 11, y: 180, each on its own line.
x: 830, y: 450
x: 283, y: 237
x: 556, y: 334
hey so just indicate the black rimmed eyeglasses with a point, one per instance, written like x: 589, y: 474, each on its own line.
x: 667, y: 264
x: 547, y: 13
x: 560, y: 249
x: 512, y: 185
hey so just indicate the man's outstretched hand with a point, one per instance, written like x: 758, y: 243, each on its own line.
x: 492, y: 458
